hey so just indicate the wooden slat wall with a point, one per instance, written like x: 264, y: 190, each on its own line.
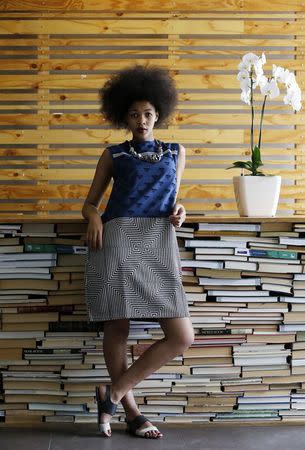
x: 55, y: 55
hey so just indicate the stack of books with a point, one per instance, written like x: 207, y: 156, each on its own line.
x: 245, y: 286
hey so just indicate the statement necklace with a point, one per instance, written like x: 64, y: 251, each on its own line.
x: 148, y: 157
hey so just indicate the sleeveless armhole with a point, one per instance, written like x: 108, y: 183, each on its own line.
x: 176, y: 148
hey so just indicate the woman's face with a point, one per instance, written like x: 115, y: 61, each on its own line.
x: 141, y: 119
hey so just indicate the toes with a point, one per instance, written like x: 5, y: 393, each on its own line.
x: 153, y: 434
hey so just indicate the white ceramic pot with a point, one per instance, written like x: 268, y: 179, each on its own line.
x: 257, y: 196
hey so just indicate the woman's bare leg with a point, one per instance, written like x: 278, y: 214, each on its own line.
x: 115, y: 352
x: 179, y: 335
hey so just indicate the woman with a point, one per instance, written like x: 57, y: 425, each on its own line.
x: 133, y: 268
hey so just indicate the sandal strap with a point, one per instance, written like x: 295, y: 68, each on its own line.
x: 107, y: 406
x: 134, y: 424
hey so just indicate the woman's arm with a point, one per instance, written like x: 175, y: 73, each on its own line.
x: 100, y: 182
x: 178, y: 215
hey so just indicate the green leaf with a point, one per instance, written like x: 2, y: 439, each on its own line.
x: 240, y: 164
x: 256, y: 156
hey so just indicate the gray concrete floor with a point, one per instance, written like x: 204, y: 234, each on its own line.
x: 203, y: 437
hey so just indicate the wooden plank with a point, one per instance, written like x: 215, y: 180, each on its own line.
x: 222, y: 44
x: 188, y: 14
x: 196, y: 150
x: 45, y: 191
x: 221, y: 191
x: 117, y: 26
x: 91, y: 81
x: 86, y: 174
x: 110, y: 64
x: 106, y: 136
x: 155, y: 5
x: 24, y: 207
x: 86, y: 119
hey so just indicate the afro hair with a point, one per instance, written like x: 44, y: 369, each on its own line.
x: 138, y: 83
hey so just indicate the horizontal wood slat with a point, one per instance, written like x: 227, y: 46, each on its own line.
x: 154, y: 5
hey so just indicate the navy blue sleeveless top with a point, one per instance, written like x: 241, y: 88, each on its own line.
x: 141, y: 188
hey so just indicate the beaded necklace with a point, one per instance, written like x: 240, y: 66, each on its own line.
x: 152, y: 158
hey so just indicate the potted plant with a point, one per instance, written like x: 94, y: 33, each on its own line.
x: 257, y: 194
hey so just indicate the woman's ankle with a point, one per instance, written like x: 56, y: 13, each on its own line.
x: 114, y: 395
x: 132, y: 413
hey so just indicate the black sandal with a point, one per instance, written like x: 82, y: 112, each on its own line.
x: 105, y: 406
x: 134, y: 425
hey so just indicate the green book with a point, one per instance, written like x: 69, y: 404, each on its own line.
x: 53, y: 248
x: 260, y: 253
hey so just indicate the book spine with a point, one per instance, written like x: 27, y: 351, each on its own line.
x: 266, y: 253
x: 49, y: 248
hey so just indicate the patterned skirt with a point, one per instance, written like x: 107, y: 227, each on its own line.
x: 137, y: 273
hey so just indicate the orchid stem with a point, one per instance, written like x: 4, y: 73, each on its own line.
x: 261, y: 122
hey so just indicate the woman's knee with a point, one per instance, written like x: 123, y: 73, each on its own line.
x: 179, y: 334
x: 185, y: 340
x: 116, y: 329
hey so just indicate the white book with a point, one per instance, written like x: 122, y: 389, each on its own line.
x: 292, y: 241
x: 258, y: 347
x: 245, y: 239
x: 292, y: 299
x: 277, y: 280
x: 297, y: 362
x: 213, y: 243
x: 300, y: 277
x: 20, y: 275
x: 273, y: 399
x: 276, y: 287
x: 35, y: 392
x: 35, y: 234
x: 213, y: 370
x: 266, y: 309
x: 24, y: 291
x: 196, y: 297
x: 255, y: 281
x: 201, y: 263
x: 220, y: 257
x: 229, y: 226
x: 263, y: 319
x: 183, y: 233
x: 280, y: 268
x: 292, y: 327
x: 35, y: 263
x: 259, y: 361
x: 265, y: 406
x: 240, y: 265
x: 24, y: 270
x: 21, y: 334
x: 28, y: 256
x: 214, y: 251
x: 238, y: 293
x: 245, y: 299
x: 55, y: 407
x: 265, y: 245
x: 5, y: 226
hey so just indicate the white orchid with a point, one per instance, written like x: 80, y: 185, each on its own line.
x: 251, y: 75
x: 270, y: 88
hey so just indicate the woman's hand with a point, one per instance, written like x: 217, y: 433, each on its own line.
x: 94, y: 233
x: 178, y: 215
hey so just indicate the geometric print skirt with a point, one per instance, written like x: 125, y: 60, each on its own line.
x: 137, y: 273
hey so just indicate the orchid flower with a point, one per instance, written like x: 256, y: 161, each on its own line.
x: 251, y: 75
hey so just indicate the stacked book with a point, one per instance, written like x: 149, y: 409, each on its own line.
x: 245, y: 286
